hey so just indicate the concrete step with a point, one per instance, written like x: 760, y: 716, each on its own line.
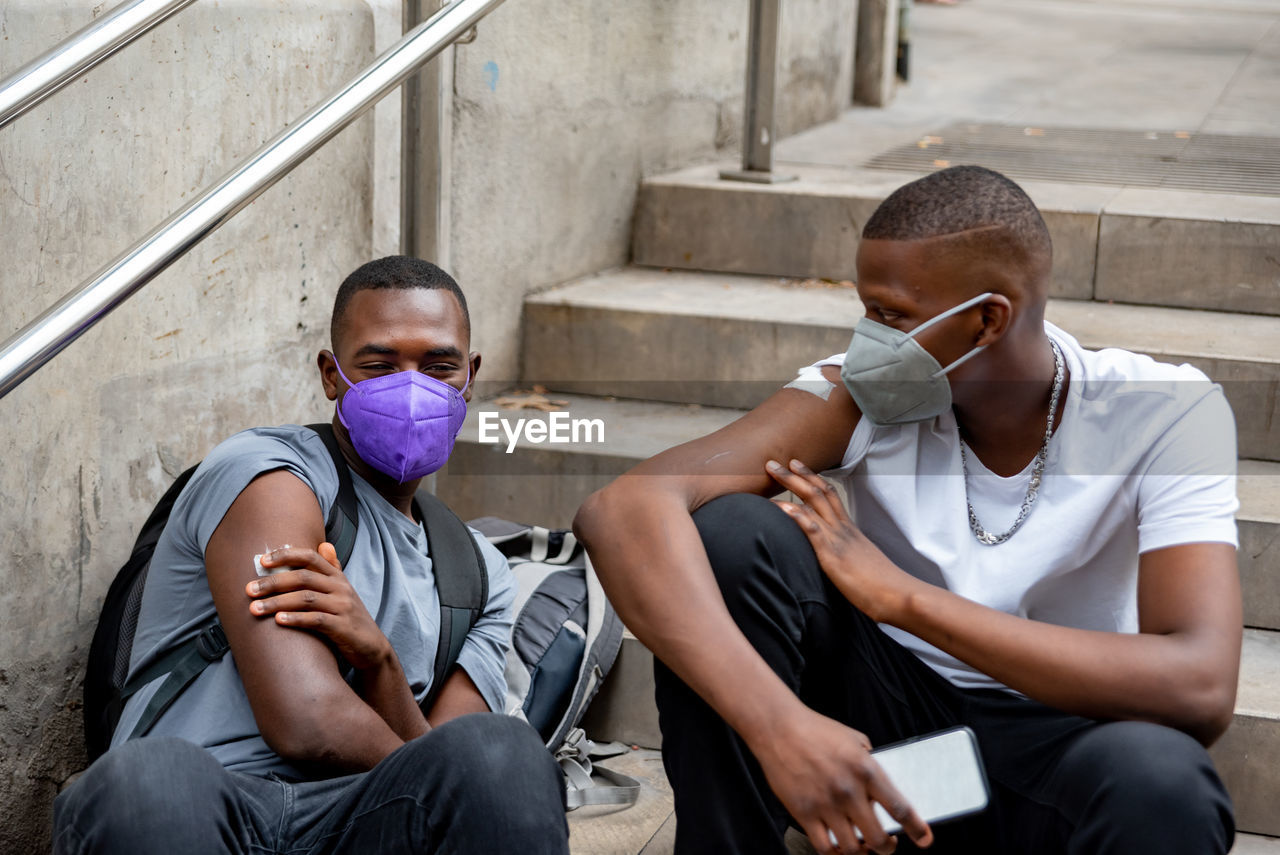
x: 624, y: 710
x: 1256, y: 844
x: 1247, y: 757
x: 663, y: 842
x: 610, y: 830
x: 547, y: 483
x: 731, y: 340
x: 1258, y: 487
x: 1130, y: 244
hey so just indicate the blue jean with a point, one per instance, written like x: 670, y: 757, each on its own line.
x: 480, y: 783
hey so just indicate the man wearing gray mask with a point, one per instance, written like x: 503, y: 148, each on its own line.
x: 1044, y: 552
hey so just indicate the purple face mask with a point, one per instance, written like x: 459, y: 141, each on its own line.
x: 403, y: 424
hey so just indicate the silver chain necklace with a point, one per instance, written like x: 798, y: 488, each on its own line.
x: 1033, y: 489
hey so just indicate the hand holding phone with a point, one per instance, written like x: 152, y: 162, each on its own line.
x: 940, y: 775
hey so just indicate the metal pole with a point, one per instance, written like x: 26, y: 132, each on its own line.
x: 90, y: 45
x: 43, y: 338
x: 425, y: 148
x: 758, y: 111
x: 410, y: 134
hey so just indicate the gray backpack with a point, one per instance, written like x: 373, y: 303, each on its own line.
x: 564, y: 641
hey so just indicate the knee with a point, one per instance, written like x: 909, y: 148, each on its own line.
x: 504, y: 793
x: 496, y: 744
x: 152, y: 771
x: 1160, y: 763
x: 745, y: 534
x: 506, y: 764
x: 1156, y: 776
x: 128, y: 798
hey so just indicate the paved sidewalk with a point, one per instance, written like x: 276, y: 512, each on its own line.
x: 1191, y: 66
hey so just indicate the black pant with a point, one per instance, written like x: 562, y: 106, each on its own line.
x: 1059, y: 783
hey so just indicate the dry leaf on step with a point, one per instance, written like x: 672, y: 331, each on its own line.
x: 536, y: 399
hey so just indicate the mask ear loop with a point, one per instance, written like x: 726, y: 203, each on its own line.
x: 344, y: 377
x: 350, y: 386
x: 962, y: 360
x: 942, y: 317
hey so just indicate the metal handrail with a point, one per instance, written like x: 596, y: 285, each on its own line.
x: 46, y: 336
x: 79, y: 52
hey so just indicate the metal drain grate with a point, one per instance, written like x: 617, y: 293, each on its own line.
x: 1178, y: 160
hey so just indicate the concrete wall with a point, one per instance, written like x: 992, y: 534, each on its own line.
x: 557, y: 110
x: 560, y: 106
x: 224, y: 340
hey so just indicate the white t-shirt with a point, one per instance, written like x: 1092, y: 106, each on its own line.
x: 1144, y: 458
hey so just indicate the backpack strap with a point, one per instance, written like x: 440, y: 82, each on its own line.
x: 184, y: 663
x: 340, y: 528
x: 582, y: 784
x: 462, y: 581
x: 529, y: 542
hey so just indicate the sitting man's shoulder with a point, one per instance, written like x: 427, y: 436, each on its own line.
x: 1135, y: 387
x: 236, y: 461
x: 294, y: 442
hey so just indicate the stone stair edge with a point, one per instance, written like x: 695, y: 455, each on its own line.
x: 1138, y: 244
x: 1055, y: 197
x: 703, y: 293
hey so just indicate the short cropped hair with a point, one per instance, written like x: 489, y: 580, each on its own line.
x: 961, y: 199
x: 394, y: 271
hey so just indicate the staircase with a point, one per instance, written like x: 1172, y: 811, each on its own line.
x: 1147, y: 134
x: 680, y: 343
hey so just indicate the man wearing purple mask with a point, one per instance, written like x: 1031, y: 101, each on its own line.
x: 274, y: 748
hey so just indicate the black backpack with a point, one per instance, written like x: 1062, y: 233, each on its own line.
x: 461, y: 581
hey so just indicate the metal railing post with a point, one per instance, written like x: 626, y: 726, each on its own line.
x: 424, y: 148
x: 758, y: 111
x: 42, y: 339
x: 78, y: 53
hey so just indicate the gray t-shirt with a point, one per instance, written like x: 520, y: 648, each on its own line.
x: 388, y: 568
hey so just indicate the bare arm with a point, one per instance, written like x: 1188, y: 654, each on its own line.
x: 305, y: 711
x: 644, y: 545
x: 1180, y: 669
x: 458, y: 697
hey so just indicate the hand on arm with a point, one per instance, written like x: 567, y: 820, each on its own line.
x: 315, y: 595
x: 644, y: 545
x: 1180, y: 669
x: 305, y: 711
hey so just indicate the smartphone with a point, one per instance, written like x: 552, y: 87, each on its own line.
x: 940, y: 775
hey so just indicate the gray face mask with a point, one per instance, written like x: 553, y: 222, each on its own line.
x: 894, y: 380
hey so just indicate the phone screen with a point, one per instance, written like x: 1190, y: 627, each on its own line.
x: 941, y: 775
